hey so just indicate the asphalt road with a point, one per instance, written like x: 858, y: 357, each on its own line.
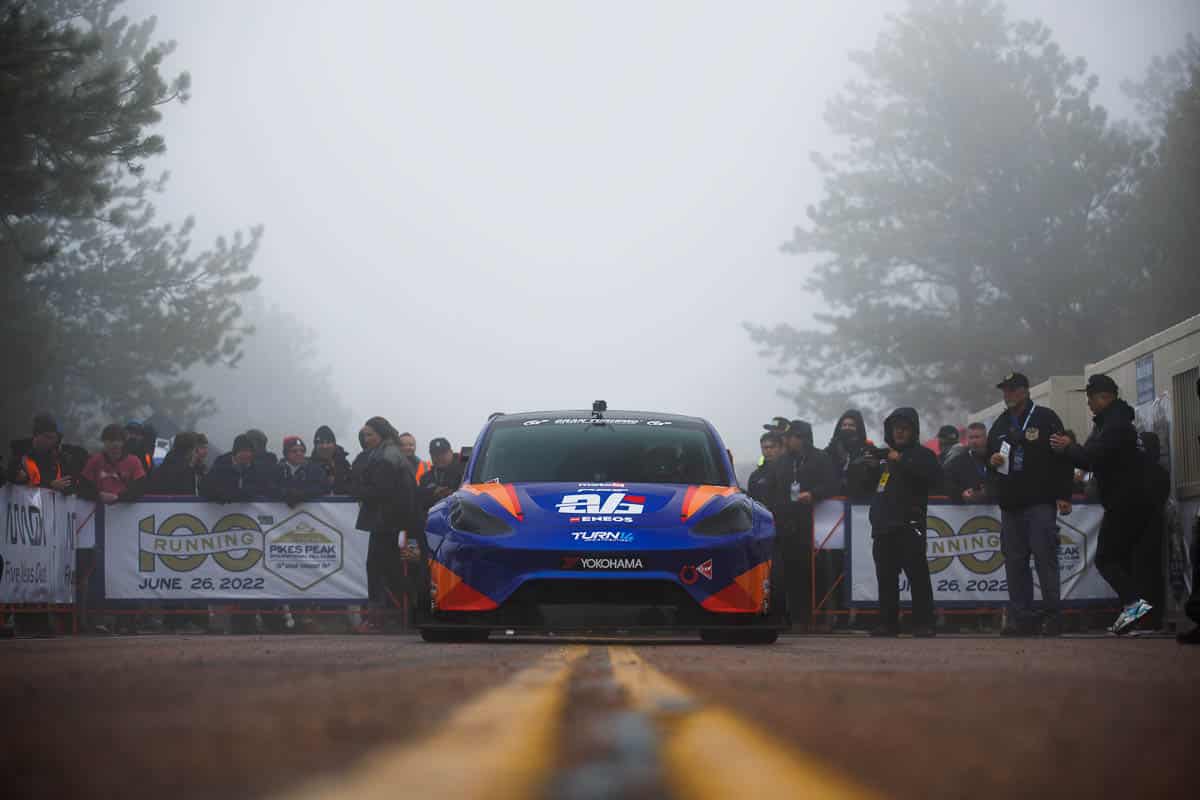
x: 332, y: 716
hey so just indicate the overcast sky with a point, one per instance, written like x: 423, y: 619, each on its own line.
x: 518, y: 206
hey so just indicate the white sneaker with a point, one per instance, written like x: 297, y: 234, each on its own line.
x: 1129, y: 615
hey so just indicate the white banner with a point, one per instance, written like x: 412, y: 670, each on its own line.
x: 38, y: 546
x: 80, y: 519
x: 196, y: 550
x: 966, y: 565
x: 829, y: 525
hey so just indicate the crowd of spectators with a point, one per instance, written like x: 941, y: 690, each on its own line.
x: 1026, y: 462
x: 395, y: 489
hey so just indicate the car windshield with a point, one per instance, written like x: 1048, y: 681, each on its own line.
x: 576, y: 450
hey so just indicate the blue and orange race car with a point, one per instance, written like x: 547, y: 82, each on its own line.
x: 578, y: 521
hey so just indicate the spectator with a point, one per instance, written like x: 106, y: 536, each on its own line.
x: 898, y: 522
x: 444, y: 476
x: 1032, y: 483
x: 967, y: 477
x: 262, y: 456
x: 1148, y: 557
x: 239, y: 475
x: 801, y: 477
x: 1111, y: 453
x: 408, y: 446
x: 849, y: 443
x: 111, y: 473
x: 771, y: 445
x: 137, y: 446
x: 298, y: 479
x: 387, y: 490
x: 36, y: 461
x: 202, y: 452
x: 330, y: 456
x: 180, y: 472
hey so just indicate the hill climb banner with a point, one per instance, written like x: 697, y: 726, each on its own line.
x: 173, y: 550
x: 966, y: 565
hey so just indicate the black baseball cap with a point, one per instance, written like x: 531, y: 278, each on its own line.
x: 777, y: 425
x: 1101, y: 383
x: 1012, y: 380
x: 948, y: 432
x: 439, y: 445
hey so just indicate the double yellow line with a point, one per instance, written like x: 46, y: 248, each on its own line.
x: 504, y: 744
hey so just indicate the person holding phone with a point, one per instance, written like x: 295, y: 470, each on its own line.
x: 1032, y: 484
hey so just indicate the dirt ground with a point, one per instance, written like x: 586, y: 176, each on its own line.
x: 978, y: 717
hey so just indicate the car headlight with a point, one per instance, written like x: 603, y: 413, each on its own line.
x: 467, y: 517
x: 734, y: 518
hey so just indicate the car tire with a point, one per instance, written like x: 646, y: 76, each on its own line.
x: 453, y: 635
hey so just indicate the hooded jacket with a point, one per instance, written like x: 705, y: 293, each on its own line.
x: 901, y: 500
x: 337, y: 470
x: 387, y: 489
x: 1112, y: 455
x: 176, y: 475
x: 1045, y: 476
x: 844, y: 451
x: 811, y: 468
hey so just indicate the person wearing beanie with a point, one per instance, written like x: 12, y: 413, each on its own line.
x: 262, y: 455
x: 36, y: 461
x: 799, y: 479
x: 297, y: 478
x: 330, y: 456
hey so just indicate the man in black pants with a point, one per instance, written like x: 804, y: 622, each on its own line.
x: 1111, y: 453
x: 1033, y: 485
x: 799, y: 479
x: 898, y: 521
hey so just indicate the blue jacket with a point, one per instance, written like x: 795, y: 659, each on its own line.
x: 308, y: 481
x: 227, y: 483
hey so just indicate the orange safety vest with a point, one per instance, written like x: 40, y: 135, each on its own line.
x: 35, y: 474
x: 422, y: 468
x: 149, y: 462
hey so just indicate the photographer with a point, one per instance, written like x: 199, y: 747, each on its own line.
x: 903, y: 480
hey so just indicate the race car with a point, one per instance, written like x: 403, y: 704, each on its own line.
x: 602, y: 521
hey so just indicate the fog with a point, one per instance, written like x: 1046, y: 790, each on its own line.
x: 517, y: 206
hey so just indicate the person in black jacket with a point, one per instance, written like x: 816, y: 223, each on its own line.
x: 800, y: 478
x: 238, y: 476
x: 178, y: 474
x: 1033, y: 485
x: 968, y: 479
x: 898, y: 516
x: 297, y: 479
x: 771, y: 444
x: 444, y: 476
x: 330, y: 456
x: 1111, y: 453
x: 848, y: 444
x: 386, y: 487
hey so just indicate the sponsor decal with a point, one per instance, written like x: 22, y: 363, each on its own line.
x: 690, y: 574
x: 602, y: 563
x: 532, y: 422
x: 657, y: 423
x: 625, y: 520
x: 303, y: 550
x: 601, y: 486
x: 595, y: 503
x: 591, y: 420
x: 602, y: 536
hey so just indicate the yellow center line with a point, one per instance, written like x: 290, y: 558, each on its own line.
x: 711, y: 754
x: 501, y: 745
